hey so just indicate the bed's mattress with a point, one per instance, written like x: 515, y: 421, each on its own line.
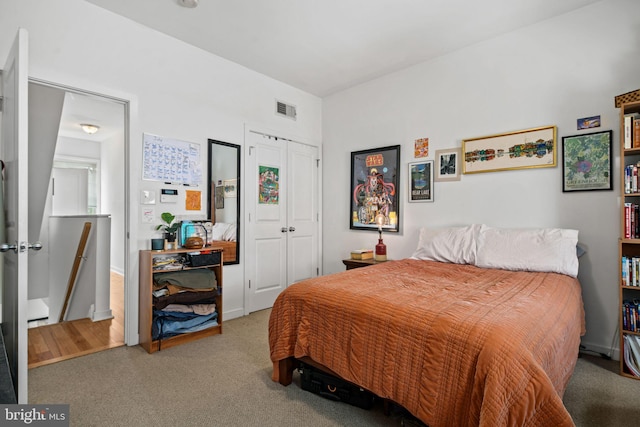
x: 454, y: 344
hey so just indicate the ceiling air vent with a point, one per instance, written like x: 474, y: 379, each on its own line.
x: 286, y: 110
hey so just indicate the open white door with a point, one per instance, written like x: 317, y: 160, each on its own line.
x: 14, y: 153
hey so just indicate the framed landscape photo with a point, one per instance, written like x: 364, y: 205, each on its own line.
x: 375, y: 176
x: 448, y: 164
x: 530, y: 148
x: 421, y: 181
x: 587, y: 162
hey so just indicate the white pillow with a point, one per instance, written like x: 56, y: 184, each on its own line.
x: 218, y: 230
x: 450, y: 244
x: 230, y: 233
x: 541, y: 249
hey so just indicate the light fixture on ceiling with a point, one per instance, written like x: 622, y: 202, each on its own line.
x: 188, y: 3
x: 90, y: 129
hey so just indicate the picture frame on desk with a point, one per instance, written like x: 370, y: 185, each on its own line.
x: 587, y: 162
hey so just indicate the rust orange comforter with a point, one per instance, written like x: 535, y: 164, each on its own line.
x: 456, y: 345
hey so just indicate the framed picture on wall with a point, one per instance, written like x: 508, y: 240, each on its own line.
x: 230, y: 187
x: 219, y: 197
x: 587, y: 162
x: 421, y: 181
x: 375, y: 176
x: 448, y: 164
x: 529, y: 148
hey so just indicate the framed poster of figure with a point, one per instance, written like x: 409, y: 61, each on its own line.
x: 375, y: 176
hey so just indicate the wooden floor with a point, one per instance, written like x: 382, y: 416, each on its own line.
x: 66, y: 340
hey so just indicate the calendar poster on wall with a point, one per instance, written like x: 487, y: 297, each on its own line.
x: 171, y: 161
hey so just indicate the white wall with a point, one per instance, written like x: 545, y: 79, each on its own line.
x: 551, y: 73
x: 113, y: 197
x: 176, y: 90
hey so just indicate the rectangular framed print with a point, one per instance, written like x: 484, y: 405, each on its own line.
x: 375, y: 179
x: 587, y: 162
x: 448, y: 165
x: 530, y: 148
x: 421, y: 181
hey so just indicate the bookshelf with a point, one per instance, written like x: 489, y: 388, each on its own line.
x: 629, y: 242
x: 149, y: 265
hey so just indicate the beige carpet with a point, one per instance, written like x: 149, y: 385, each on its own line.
x: 225, y: 380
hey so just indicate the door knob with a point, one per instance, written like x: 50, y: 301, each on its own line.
x: 292, y: 229
x: 283, y: 229
x: 4, y: 247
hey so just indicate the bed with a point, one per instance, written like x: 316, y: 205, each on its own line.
x: 481, y: 326
x: 223, y: 236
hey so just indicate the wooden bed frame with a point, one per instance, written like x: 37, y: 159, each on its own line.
x: 228, y: 249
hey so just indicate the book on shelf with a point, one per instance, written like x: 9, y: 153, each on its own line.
x: 632, y: 354
x: 362, y: 254
x: 631, y: 130
x: 631, y: 182
x: 631, y: 220
x: 630, y: 271
x: 630, y: 316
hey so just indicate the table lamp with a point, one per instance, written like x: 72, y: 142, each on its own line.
x: 381, y: 248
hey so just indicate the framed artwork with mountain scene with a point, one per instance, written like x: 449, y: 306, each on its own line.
x: 421, y: 181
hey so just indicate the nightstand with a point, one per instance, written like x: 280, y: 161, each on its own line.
x: 357, y: 263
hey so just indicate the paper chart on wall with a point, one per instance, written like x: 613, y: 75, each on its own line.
x: 171, y: 161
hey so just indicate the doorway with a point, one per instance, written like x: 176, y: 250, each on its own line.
x: 87, y: 178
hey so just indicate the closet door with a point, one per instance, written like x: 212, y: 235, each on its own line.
x: 302, y: 212
x: 282, y: 229
x: 267, y: 226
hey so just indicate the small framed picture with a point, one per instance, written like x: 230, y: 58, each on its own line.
x: 448, y: 164
x: 421, y: 181
x: 230, y: 187
x: 589, y: 122
x: 587, y: 162
x: 219, y: 197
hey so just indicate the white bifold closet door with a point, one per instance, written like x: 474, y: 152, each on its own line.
x: 282, y: 201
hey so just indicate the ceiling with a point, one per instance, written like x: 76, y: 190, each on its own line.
x: 79, y: 108
x: 325, y: 46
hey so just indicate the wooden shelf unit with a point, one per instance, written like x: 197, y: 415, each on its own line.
x: 146, y: 300
x: 628, y: 247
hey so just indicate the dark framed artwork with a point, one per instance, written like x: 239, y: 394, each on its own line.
x: 219, y: 197
x: 421, y: 181
x: 375, y: 176
x: 587, y: 162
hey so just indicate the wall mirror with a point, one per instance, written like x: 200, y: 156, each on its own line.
x: 224, y: 198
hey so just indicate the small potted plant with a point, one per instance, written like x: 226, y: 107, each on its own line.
x: 169, y: 227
